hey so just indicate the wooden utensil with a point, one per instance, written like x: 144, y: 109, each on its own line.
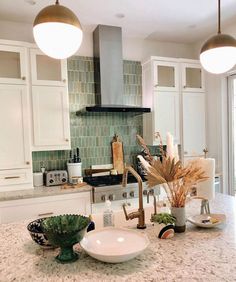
x: 117, y: 154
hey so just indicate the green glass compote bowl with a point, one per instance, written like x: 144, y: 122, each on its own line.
x: 65, y: 231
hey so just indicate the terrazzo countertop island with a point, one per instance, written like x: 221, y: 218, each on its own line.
x: 196, y: 255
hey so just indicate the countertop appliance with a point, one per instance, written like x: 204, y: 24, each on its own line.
x: 109, y: 187
x: 55, y: 177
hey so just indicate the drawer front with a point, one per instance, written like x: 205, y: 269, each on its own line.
x: 46, y: 206
x: 15, y: 176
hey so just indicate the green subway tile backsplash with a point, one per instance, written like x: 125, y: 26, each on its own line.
x: 93, y: 132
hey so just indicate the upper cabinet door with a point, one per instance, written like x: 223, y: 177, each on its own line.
x: 192, y: 78
x: 47, y: 71
x: 165, y: 76
x: 51, y: 125
x: 13, y: 65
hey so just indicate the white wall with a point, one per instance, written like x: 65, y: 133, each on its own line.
x: 133, y: 49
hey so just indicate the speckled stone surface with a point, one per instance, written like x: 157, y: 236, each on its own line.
x: 196, y: 255
x: 41, y: 192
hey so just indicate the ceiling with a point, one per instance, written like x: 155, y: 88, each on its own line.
x: 183, y: 21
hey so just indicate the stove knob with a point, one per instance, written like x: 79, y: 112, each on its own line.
x: 111, y: 197
x: 51, y: 181
x: 131, y: 194
x: 145, y: 192
x: 103, y: 198
x: 125, y: 195
x: 63, y: 179
x: 151, y: 191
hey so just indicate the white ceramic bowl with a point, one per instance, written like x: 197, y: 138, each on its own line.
x: 197, y: 220
x: 114, y: 245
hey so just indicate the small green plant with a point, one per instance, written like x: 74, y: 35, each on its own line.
x: 164, y: 218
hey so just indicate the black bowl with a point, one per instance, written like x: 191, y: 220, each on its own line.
x: 37, y: 234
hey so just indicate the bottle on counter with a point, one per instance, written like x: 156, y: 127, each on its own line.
x: 108, y: 215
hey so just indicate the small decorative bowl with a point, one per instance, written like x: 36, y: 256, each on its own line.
x: 37, y: 234
x: 65, y: 231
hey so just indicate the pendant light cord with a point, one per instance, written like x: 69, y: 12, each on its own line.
x: 57, y: 2
x: 219, y: 29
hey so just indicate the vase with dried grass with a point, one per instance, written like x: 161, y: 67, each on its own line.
x: 176, y: 180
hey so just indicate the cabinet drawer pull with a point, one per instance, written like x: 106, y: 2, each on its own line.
x: 23, y: 78
x: 67, y: 140
x: 64, y: 80
x: 11, y: 177
x: 45, y: 214
x: 155, y: 85
x: 27, y: 163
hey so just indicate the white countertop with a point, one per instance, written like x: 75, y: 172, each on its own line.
x: 196, y: 255
x: 42, y: 191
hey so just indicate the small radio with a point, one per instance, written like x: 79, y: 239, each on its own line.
x: 56, y: 177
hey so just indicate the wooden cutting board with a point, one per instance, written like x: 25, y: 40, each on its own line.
x: 117, y: 154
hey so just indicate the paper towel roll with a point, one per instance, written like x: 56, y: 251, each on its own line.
x: 206, y: 189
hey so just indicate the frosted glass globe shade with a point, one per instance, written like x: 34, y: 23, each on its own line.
x: 218, y: 60
x: 58, y: 40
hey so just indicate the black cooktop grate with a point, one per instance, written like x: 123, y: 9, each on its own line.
x: 107, y: 180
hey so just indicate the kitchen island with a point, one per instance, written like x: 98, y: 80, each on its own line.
x: 196, y: 255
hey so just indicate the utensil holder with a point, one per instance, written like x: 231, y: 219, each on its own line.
x: 74, y: 170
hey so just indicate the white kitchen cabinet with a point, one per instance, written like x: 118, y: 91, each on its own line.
x: 15, y: 154
x: 174, y: 90
x: 194, y: 125
x: 50, y: 105
x: 14, y: 127
x: 13, y: 65
x: 161, y: 94
x: 51, y: 124
x: 47, y: 71
x: 33, y: 208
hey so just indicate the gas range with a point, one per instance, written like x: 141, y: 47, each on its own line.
x: 109, y: 187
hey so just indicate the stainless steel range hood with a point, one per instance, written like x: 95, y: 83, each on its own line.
x: 108, y: 69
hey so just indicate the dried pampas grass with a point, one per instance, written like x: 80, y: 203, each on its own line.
x: 177, y: 180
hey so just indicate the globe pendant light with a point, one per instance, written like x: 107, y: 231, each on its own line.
x: 218, y: 54
x: 57, y: 31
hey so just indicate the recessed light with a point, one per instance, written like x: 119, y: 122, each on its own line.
x: 120, y: 16
x: 31, y: 2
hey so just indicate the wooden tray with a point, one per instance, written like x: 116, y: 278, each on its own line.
x: 69, y: 186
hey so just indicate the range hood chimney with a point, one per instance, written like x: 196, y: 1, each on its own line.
x: 108, y: 70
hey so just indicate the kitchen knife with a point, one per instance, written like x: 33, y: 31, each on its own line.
x: 78, y: 160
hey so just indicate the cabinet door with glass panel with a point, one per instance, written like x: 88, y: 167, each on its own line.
x: 192, y: 77
x: 47, y: 71
x: 165, y: 76
x: 13, y: 64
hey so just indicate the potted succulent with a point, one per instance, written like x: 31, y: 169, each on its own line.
x: 163, y: 225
